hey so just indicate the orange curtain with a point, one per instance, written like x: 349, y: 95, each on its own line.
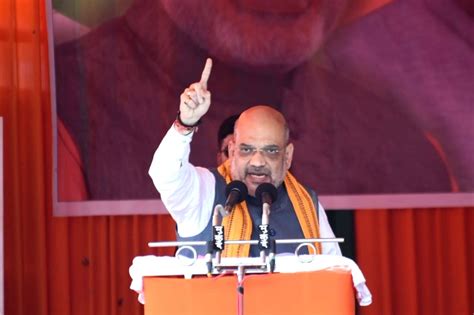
x: 63, y: 266
x: 415, y: 261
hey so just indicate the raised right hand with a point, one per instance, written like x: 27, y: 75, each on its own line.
x: 196, y: 99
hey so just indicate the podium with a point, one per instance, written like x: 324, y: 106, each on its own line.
x: 319, y: 292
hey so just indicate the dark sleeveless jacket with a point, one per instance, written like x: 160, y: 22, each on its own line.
x: 283, y: 220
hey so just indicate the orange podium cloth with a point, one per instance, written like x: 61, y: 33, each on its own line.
x: 318, y: 292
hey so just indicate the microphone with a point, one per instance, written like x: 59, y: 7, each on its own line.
x: 236, y: 191
x: 266, y: 193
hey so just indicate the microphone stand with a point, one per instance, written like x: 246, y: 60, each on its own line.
x: 264, y: 233
x: 216, y: 245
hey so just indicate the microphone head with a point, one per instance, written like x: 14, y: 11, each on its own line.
x: 266, y: 189
x: 239, y: 187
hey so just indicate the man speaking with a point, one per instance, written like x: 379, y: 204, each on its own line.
x: 260, y: 152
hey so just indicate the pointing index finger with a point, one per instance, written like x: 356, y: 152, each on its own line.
x: 206, y: 73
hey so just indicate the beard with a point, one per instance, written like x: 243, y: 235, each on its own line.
x: 255, y: 34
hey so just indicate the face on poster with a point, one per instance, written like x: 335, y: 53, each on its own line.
x: 375, y: 112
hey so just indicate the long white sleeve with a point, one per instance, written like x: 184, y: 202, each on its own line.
x: 186, y: 191
x: 325, y: 231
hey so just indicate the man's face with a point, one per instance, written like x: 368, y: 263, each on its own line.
x: 262, y: 34
x: 259, y: 153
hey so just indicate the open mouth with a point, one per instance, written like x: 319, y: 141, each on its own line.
x: 257, y: 178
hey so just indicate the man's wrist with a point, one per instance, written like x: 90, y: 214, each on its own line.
x: 178, y: 118
x: 182, y: 128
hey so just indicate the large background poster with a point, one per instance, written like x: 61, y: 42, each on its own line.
x: 378, y: 95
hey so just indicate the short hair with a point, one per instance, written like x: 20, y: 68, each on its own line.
x: 226, y: 128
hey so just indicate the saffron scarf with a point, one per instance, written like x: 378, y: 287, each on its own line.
x: 238, y: 224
